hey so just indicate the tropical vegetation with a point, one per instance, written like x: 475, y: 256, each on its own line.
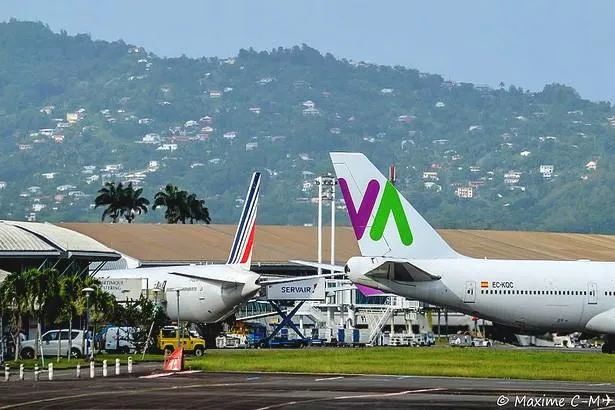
x: 52, y: 299
x: 56, y: 301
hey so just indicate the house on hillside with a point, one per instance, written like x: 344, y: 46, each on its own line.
x: 431, y: 175
x: 48, y: 109
x: 432, y: 186
x: 167, y: 147
x: 151, y: 138
x: 591, y: 165
x: 311, y: 112
x: 546, y: 171
x: 464, y: 191
x: 512, y: 177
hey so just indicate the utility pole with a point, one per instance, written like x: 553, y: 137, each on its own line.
x: 178, y: 324
x: 88, y: 347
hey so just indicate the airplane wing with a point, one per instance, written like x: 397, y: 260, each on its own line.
x: 207, y: 279
x: 402, y: 270
x: 332, y: 268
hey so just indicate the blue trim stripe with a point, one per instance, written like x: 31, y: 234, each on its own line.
x: 246, y: 221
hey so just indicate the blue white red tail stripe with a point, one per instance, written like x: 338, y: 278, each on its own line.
x: 241, y: 252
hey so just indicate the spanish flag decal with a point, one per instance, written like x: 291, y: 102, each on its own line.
x: 484, y: 284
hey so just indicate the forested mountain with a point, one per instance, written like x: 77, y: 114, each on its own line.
x: 75, y: 113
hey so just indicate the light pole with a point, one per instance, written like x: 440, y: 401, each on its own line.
x: 177, y: 290
x: 326, y: 182
x: 88, y: 348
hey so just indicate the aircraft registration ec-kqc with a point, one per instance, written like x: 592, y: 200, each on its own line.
x: 211, y: 293
x: 404, y: 255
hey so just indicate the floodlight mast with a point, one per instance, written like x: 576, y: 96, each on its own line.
x: 326, y: 190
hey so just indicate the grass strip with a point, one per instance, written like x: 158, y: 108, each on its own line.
x: 435, y: 361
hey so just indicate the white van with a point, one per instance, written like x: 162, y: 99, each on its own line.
x: 50, y: 341
x: 120, y: 339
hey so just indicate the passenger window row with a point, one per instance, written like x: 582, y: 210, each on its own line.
x: 536, y: 292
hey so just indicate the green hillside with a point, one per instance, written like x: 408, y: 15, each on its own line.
x: 76, y: 112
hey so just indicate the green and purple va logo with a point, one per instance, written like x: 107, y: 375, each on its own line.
x: 389, y: 204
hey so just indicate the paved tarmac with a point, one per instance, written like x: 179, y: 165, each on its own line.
x: 196, y: 390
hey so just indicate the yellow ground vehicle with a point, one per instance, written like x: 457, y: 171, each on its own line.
x: 167, y: 341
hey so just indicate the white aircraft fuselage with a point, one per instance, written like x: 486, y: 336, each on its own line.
x: 528, y: 294
x: 200, y: 300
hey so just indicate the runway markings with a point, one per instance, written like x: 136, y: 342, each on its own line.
x: 157, y: 375
x: 401, y: 393
x: 328, y: 378
x: 104, y: 393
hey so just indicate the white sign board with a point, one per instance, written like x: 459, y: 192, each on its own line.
x: 301, y: 289
x: 122, y: 288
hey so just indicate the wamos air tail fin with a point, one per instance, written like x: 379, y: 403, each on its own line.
x: 384, y: 223
x: 241, y: 252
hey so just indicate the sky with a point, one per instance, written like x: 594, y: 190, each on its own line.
x: 526, y: 43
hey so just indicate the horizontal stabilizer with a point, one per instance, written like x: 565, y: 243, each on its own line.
x: 332, y: 268
x: 205, y: 278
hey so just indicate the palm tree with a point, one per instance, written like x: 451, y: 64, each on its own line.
x: 181, y: 206
x: 110, y: 195
x: 41, y: 288
x: 69, y: 295
x: 13, y: 295
x: 197, y: 211
x: 175, y: 200
x: 132, y: 203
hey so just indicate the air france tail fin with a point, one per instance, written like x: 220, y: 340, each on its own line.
x: 241, y: 252
x: 384, y: 223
